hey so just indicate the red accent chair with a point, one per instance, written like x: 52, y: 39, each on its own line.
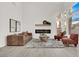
x: 72, y: 40
x: 59, y: 36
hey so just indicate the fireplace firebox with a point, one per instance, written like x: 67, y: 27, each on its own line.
x: 48, y: 31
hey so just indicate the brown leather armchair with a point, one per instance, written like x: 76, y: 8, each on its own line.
x: 59, y: 36
x: 72, y: 40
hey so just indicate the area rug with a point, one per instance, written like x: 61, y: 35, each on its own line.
x: 51, y: 43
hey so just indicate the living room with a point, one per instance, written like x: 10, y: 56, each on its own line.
x: 37, y: 25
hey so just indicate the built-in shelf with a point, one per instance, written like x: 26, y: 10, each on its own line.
x: 42, y: 25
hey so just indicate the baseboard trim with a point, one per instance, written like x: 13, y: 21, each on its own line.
x: 2, y: 45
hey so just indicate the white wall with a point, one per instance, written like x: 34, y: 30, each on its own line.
x: 7, y: 11
x: 35, y: 13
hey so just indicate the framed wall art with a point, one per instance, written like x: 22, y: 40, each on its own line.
x: 14, y: 25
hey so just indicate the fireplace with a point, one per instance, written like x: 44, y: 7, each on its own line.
x: 48, y: 31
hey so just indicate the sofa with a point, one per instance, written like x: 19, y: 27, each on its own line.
x: 19, y: 39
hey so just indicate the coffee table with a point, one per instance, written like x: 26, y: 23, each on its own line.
x: 44, y: 38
